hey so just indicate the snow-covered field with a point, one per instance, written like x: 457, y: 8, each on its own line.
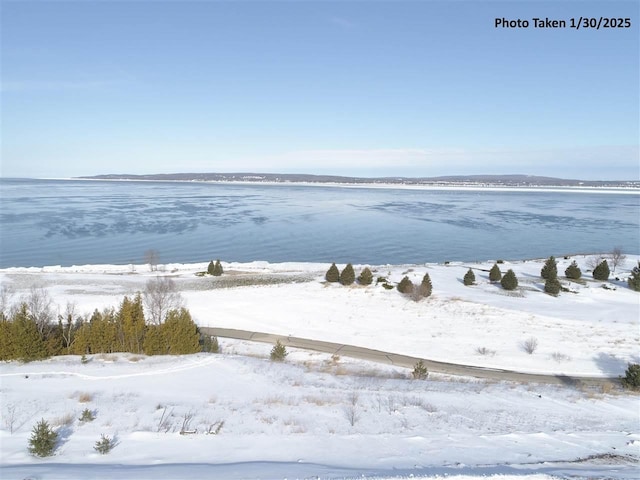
x: 318, y: 416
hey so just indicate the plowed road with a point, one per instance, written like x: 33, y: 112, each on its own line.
x: 405, y: 360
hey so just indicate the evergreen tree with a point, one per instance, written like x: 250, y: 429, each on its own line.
x: 632, y: 377
x: 495, y: 274
x: 573, y: 271
x: 81, y: 344
x: 333, y: 274
x: 347, y: 276
x: 552, y: 286
x: 634, y: 280
x: 469, y: 278
x: 6, y: 339
x: 54, y: 340
x: 217, y: 269
x: 28, y: 344
x: 550, y: 269
x: 103, y: 333
x: 132, y: 324
x: 181, y: 333
x: 43, y: 440
x: 365, y: 277
x: 509, y: 281
x: 210, y: 268
x: 420, y: 371
x: 601, y: 272
x: 104, y: 445
x: 154, y: 341
x: 278, y: 352
x: 426, y: 288
x: 405, y: 285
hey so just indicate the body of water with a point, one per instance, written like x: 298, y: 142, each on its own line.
x: 74, y: 222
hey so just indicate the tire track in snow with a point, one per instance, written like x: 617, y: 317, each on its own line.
x: 163, y: 371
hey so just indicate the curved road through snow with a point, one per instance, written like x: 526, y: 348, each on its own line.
x: 406, y: 360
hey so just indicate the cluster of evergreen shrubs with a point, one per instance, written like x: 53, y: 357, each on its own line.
x: 416, y: 292
x: 215, y: 269
x: 348, y: 275
x: 109, y: 331
x: 406, y: 286
x: 508, y: 281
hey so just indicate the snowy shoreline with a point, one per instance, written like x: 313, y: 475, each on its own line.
x: 382, y: 185
x: 590, y: 330
x: 326, y: 416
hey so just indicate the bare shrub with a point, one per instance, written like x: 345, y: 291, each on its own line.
x: 160, y: 295
x: 530, y: 345
x: 484, y: 351
x: 617, y: 257
x: 164, y: 422
x: 351, y: 411
x: 560, y: 357
x: 352, y: 414
x: 9, y: 417
x: 215, y: 428
x: 186, y: 423
x: 85, y: 397
x: 63, y: 421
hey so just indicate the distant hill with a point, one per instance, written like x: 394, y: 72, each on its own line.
x: 459, y: 180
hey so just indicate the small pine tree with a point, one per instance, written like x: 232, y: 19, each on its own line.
x: 333, y: 274
x: 104, y: 445
x: 278, y: 352
x: 509, y: 281
x: 552, y: 286
x: 573, y: 272
x: 217, y: 269
x: 366, y: 277
x: 347, y: 276
x: 405, y: 285
x: 87, y: 416
x: 495, y: 274
x: 210, y: 268
x: 634, y: 280
x: 43, y: 440
x: 209, y: 343
x: 601, y: 272
x: 426, y: 288
x: 550, y: 269
x: 469, y: 278
x: 420, y: 371
x: 631, y: 378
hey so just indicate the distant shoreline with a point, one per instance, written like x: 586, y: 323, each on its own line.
x: 485, y: 187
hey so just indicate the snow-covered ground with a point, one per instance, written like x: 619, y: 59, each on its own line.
x: 318, y: 416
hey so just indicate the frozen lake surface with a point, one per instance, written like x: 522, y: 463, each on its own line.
x: 66, y: 222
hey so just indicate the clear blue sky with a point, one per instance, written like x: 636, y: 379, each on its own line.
x: 353, y: 88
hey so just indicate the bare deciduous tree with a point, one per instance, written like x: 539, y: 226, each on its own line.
x: 40, y: 307
x: 6, y: 296
x: 593, y: 261
x: 66, y: 321
x: 617, y: 257
x: 160, y: 295
x: 151, y: 259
